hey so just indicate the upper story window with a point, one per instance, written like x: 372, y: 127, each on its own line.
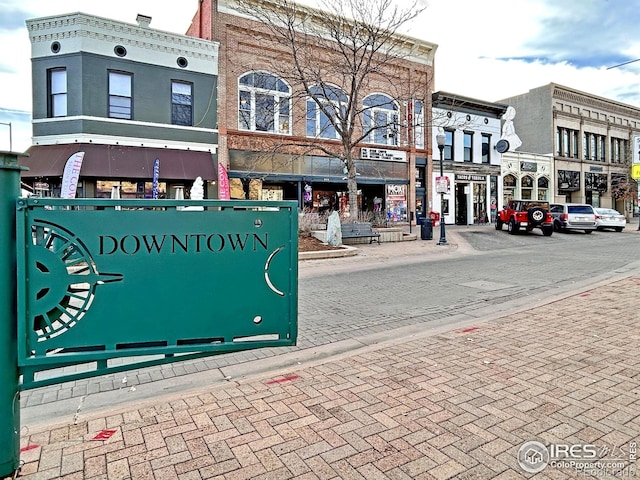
x: 448, y: 145
x: 468, y: 146
x: 601, y: 143
x: 264, y: 103
x: 120, y: 99
x: 381, y: 119
x: 181, y: 103
x: 593, y: 147
x: 567, y: 142
x: 618, y: 150
x: 486, y: 148
x: 322, y: 111
x: 418, y: 123
x: 57, y: 92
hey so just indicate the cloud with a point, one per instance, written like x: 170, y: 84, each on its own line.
x: 12, y: 17
x: 588, y: 33
x: 15, y: 130
x: 489, y: 50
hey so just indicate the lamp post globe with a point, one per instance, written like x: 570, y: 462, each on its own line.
x: 440, y: 140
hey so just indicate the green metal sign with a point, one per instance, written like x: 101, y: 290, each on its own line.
x: 100, y: 280
x: 90, y: 281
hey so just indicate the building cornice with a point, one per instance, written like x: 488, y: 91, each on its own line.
x: 412, y: 49
x: 80, y: 32
x: 567, y: 94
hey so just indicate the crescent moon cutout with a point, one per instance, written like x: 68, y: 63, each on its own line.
x: 266, y: 271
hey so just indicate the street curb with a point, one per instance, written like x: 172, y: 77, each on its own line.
x: 345, y: 251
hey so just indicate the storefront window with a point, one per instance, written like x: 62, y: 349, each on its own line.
x: 493, y: 192
x: 509, y: 190
x: 543, y: 189
x: 271, y: 193
x: 527, y: 188
x: 396, y: 203
x: 129, y: 189
x: 480, y: 203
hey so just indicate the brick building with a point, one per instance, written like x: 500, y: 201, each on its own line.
x: 267, y: 122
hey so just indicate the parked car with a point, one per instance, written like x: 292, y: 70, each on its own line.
x: 528, y: 214
x: 573, y: 216
x: 610, y: 218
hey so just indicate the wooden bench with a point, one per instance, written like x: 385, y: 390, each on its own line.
x: 360, y: 230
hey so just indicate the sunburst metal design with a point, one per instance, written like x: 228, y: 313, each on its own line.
x: 63, y: 278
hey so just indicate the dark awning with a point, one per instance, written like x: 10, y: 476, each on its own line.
x: 119, y: 162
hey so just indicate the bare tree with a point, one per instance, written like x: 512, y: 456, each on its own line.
x: 333, y: 57
x: 624, y: 188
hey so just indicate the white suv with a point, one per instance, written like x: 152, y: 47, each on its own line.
x: 573, y: 216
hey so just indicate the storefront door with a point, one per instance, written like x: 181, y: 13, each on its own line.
x: 461, y: 203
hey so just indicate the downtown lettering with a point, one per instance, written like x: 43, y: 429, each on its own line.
x: 187, y: 243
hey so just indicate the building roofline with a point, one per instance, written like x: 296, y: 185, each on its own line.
x: 442, y: 99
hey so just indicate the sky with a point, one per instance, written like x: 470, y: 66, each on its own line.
x: 487, y: 49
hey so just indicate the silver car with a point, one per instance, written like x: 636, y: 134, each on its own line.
x: 573, y: 216
x: 610, y: 218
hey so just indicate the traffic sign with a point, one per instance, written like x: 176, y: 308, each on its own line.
x: 635, y: 172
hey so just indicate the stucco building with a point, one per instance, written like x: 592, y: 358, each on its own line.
x: 527, y: 176
x: 471, y: 161
x: 590, y: 138
x: 125, y: 95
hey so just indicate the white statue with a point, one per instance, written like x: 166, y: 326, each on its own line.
x: 197, y: 193
x: 197, y: 190
x: 508, y: 130
x: 334, y: 230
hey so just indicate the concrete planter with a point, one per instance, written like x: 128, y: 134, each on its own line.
x: 387, y: 235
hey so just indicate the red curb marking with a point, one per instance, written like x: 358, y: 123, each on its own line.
x: 470, y: 329
x: 104, y: 435
x: 29, y: 447
x: 585, y: 294
x: 282, y: 380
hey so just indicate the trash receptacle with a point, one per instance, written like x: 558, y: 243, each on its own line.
x: 426, y: 230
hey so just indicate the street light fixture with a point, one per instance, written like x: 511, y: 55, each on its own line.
x: 440, y: 140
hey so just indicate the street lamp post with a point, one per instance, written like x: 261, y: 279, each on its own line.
x: 441, y: 139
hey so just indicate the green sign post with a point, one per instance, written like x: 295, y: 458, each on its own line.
x: 95, y: 280
x: 9, y: 397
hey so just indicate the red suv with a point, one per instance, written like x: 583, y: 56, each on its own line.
x: 528, y: 214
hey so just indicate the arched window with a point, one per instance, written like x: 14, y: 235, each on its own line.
x: 543, y: 188
x: 381, y: 119
x: 264, y: 103
x: 509, y: 181
x: 323, y: 108
x: 509, y: 188
x: 527, y: 187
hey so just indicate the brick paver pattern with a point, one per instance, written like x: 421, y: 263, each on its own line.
x: 457, y: 404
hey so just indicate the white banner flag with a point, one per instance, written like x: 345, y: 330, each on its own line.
x: 71, y: 175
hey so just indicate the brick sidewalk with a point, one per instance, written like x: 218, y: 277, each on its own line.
x: 455, y: 404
